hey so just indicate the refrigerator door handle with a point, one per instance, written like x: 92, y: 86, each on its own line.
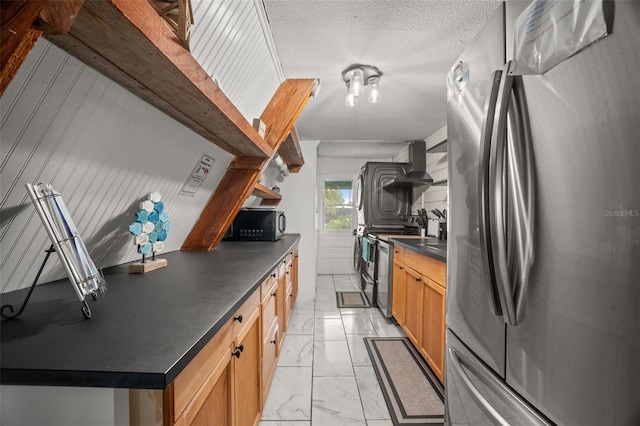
x: 497, y: 190
x: 508, y: 399
x: 483, y: 194
x: 511, y: 208
x: 520, y: 169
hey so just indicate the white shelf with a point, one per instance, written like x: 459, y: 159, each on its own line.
x: 438, y: 148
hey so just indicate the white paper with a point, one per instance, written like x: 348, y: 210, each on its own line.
x: 199, y: 173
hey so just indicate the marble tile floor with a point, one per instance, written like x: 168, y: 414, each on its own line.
x: 324, y: 375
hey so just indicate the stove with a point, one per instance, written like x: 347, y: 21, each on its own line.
x: 368, y: 250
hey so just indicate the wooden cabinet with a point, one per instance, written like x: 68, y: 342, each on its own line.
x: 432, y: 335
x: 419, y: 303
x: 269, y: 358
x: 247, y: 363
x: 413, y: 305
x: 399, y: 292
x: 230, y: 394
x: 295, y: 273
x: 270, y: 328
x: 282, y: 299
x: 290, y: 293
x: 227, y: 383
x: 212, y: 403
x: 269, y: 304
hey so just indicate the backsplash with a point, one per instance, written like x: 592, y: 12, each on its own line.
x: 435, y: 196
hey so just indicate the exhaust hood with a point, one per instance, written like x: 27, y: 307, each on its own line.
x: 416, y: 170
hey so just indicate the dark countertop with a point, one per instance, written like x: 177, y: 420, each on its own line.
x: 428, y: 246
x: 147, y: 328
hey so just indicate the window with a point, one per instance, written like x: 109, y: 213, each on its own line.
x: 338, y: 204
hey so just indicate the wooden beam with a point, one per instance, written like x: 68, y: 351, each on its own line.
x: 127, y: 41
x: 242, y: 175
x: 269, y: 197
x: 283, y: 109
x: 17, y: 37
x: 291, y: 152
x: 58, y: 16
x: 217, y: 216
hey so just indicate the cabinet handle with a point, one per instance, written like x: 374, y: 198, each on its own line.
x: 275, y: 338
x: 238, y: 318
x: 236, y: 353
x: 418, y: 279
x: 273, y: 294
x: 240, y: 348
x: 401, y: 268
x: 287, y: 272
x: 273, y: 275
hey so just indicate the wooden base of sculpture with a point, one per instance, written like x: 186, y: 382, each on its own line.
x: 147, y: 266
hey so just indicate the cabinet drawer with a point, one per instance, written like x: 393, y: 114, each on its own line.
x: 269, y: 309
x: 266, y: 285
x: 243, y: 317
x: 427, y: 266
x: 398, y: 253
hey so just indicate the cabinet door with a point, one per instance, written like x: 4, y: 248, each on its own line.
x: 288, y: 308
x: 211, y: 405
x: 295, y: 274
x: 281, y: 301
x: 247, y: 396
x: 269, y: 310
x: 413, y: 305
x: 399, y: 293
x: 433, y: 331
x: 269, y: 359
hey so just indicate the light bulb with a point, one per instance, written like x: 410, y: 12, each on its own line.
x: 355, y: 83
x: 350, y: 100
x: 374, y: 92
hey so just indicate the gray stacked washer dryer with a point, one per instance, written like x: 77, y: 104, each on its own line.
x: 383, y: 200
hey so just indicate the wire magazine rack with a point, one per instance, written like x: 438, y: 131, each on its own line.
x: 86, y: 279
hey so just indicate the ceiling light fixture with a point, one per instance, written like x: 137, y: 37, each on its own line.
x: 356, y: 78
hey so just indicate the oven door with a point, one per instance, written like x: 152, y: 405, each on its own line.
x: 383, y: 279
x: 368, y: 277
x: 368, y: 286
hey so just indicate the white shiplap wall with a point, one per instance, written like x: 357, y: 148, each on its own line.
x: 232, y: 42
x: 434, y: 197
x: 104, y: 149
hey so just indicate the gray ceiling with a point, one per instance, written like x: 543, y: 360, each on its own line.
x: 414, y: 43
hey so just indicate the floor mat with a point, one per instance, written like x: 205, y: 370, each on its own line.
x: 352, y: 299
x: 411, y: 390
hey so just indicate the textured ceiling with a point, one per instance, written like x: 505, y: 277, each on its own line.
x: 414, y: 43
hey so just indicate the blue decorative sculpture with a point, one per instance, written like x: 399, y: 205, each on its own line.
x: 149, y: 232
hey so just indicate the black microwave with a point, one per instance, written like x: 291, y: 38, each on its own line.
x: 257, y: 225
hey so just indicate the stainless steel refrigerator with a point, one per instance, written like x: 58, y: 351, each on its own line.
x: 543, y: 292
